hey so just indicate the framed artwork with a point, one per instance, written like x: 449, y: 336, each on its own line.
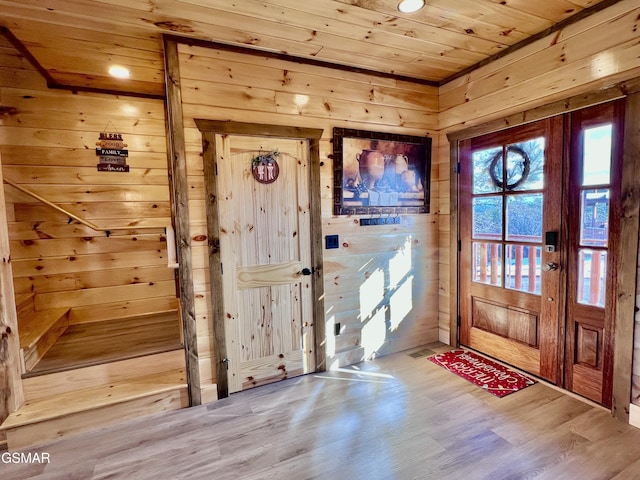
x: 380, y: 173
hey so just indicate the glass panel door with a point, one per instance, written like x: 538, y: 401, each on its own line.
x: 504, y: 217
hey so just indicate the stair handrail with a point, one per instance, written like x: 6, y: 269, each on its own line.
x: 171, y: 241
x: 87, y: 223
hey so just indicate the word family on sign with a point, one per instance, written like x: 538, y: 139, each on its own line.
x: 112, y: 153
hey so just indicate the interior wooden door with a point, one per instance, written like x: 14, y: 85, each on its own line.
x: 510, y: 200
x: 266, y: 259
x: 594, y: 200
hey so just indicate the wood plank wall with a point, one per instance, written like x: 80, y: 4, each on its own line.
x: 223, y: 85
x: 580, y: 59
x: 47, y: 142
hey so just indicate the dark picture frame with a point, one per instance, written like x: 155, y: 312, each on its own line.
x: 380, y: 173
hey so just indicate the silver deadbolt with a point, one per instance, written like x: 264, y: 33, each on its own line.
x: 550, y: 266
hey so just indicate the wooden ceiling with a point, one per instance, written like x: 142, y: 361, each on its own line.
x: 75, y: 41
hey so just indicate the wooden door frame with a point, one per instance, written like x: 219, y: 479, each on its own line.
x: 629, y: 222
x: 209, y: 129
x: 11, y: 392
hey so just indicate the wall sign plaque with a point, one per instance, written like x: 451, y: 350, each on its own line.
x: 265, y: 168
x: 108, y: 167
x: 111, y: 153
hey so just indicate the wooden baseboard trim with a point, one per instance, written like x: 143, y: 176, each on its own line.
x: 209, y: 393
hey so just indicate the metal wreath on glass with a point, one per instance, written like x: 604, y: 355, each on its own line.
x: 526, y: 167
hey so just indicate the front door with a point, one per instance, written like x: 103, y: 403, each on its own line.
x: 511, y: 186
x: 539, y: 236
x: 264, y: 222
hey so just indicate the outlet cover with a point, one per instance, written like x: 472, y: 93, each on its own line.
x: 331, y: 241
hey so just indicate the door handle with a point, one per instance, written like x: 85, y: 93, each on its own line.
x: 307, y: 271
x: 550, y: 266
x: 226, y: 361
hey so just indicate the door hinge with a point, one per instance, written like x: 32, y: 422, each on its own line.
x: 216, y: 164
x: 221, y: 269
x: 458, y: 168
x: 459, y: 245
x: 459, y: 320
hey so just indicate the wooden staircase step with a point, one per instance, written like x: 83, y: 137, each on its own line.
x: 43, y: 386
x: 25, y: 304
x: 70, y: 412
x: 38, y: 332
x: 68, y: 403
x: 88, y: 313
x: 94, y: 343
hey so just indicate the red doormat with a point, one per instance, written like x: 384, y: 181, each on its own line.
x: 493, y: 377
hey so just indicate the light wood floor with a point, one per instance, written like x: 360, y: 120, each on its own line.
x: 399, y: 417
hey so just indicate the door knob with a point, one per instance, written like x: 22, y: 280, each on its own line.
x: 550, y: 266
x: 307, y: 271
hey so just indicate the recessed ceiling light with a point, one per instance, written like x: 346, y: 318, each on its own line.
x: 119, y: 71
x: 409, y: 6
